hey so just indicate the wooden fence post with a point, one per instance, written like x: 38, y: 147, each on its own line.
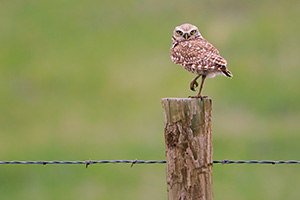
x: 188, y: 138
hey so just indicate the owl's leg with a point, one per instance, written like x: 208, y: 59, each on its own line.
x: 200, y: 90
x: 194, y: 83
x: 201, y: 86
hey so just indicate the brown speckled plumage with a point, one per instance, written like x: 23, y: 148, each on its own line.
x: 197, y: 55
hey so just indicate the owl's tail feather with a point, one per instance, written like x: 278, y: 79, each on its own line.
x: 226, y: 71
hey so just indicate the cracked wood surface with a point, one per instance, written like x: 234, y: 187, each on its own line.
x: 188, y: 139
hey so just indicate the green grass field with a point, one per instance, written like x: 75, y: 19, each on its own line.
x: 84, y: 79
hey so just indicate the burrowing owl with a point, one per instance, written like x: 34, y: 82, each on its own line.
x: 195, y: 54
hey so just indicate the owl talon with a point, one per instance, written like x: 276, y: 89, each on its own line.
x: 195, y: 97
x: 201, y: 97
x: 193, y: 85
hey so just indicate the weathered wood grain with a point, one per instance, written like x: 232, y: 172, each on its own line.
x: 189, y: 150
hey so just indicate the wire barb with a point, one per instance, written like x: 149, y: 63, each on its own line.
x: 133, y: 162
x: 88, y: 163
x: 224, y: 161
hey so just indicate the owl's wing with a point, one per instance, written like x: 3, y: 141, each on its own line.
x: 199, y: 52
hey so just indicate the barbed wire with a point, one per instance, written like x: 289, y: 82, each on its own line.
x: 257, y: 162
x: 90, y: 162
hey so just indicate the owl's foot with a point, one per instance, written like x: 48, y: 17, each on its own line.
x: 193, y: 85
x: 197, y: 97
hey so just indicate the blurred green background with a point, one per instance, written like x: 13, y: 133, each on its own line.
x: 84, y: 79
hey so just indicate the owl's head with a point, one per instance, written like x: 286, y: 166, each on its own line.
x: 186, y: 32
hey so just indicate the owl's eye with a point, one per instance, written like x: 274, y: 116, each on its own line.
x: 193, y: 32
x: 179, y: 32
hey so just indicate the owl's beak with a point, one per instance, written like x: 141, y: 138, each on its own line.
x: 186, y: 36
